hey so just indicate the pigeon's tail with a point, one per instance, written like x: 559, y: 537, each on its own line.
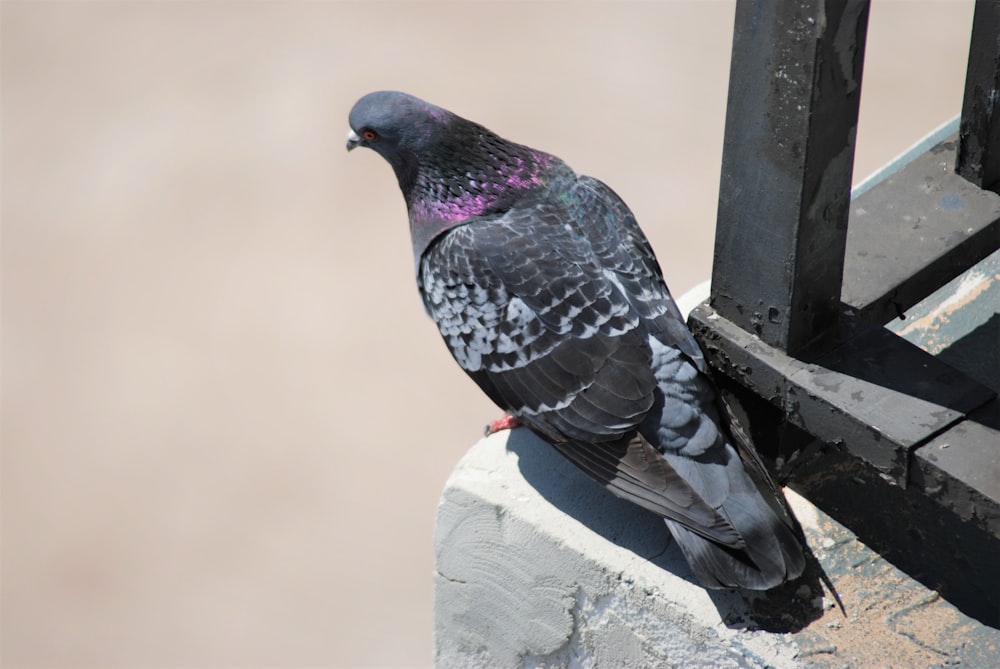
x: 725, y: 512
x: 772, y: 553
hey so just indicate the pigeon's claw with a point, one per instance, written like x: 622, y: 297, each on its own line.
x: 505, y: 422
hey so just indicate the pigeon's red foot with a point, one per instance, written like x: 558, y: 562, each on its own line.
x: 505, y: 422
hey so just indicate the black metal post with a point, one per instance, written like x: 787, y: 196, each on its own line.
x: 979, y: 132
x: 795, y: 85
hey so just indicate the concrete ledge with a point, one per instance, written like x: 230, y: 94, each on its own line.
x: 538, y: 566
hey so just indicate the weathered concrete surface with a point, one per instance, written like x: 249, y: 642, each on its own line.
x: 537, y: 566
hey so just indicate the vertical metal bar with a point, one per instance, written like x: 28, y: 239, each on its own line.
x: 979, y: 132
x: 791, y: 120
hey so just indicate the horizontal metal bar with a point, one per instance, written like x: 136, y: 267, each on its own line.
x: 876, y: 395
x: 916, y: 230
x: 960, y: 468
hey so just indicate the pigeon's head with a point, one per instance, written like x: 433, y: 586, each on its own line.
x: 397, y: 126
x: 449, y: 169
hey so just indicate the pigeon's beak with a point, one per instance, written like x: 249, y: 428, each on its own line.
x: 352, y: 140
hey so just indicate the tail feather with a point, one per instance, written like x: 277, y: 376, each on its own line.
x: 773, y: 555
x: 769, y: 549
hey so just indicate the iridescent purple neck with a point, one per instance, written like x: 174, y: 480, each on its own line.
x: 442, y: 200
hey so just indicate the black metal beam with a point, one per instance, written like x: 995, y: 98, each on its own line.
x: 915, y: 231
x: 876, y: 395
x: 960, y: 469
x: 939, y: 530
x: 788, y: 154
x: 979, y: 132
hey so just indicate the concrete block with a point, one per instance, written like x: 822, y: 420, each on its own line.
x: 538, y: 566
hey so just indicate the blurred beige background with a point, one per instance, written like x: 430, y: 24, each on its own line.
x: 226, y: 419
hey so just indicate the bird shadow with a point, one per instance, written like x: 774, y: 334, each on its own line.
x: 786, y: 608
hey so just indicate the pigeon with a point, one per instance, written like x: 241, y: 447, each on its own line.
x: 549, y: 296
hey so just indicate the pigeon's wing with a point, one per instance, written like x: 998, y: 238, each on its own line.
x: 527, y: 311
x: 624, y: 252
x: 552, y: 336
x: 712, y: 453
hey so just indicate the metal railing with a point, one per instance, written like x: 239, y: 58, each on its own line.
x: 804, y: 278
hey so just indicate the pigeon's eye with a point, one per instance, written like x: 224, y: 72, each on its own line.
x: 369, y: 134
